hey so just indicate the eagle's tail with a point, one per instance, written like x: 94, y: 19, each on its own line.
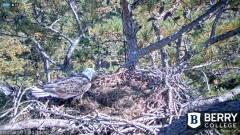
x: 36, y: 92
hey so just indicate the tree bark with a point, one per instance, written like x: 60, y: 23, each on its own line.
x: 38, y: 124
x: 130, y: 30
x: 212, y: 100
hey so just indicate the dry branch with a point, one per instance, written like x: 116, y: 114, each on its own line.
x: 215, y: 22
x: 202, y: 65
x: 212, y: 100
x: 38, y: 124
x: 5, y: 90
x: 73, y: 8
x: 44, y: 54
x: 57, y: 32
x: 215, y: 39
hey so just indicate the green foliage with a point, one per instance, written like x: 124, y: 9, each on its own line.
x: 13, y: 59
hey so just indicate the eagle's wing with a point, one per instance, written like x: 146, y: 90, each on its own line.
x: 67, y: 87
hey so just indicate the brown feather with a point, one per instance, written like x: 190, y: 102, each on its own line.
x: 68, y: 87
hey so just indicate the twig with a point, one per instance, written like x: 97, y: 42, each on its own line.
x: 202, y: 65
x: 20, y: 113
x: 206, y: 80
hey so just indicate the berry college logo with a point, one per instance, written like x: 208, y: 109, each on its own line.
x: 194, y: 120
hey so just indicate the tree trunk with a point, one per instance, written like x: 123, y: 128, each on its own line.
x: 129, y: 29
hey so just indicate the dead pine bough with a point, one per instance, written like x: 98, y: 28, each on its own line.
x: 125, y: 102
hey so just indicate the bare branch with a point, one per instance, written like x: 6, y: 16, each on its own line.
x: 46, y: 69
x: 44, y: 54
x: 55, y: 22
x: 213, y: 100
x: 202, y: 65
x: 17, y: 99
x: 206, y: 80
x: 215, y: 22
x: 50, y: 27
x: 57, y: 32
x: 136, y: 124
x: 61, y: 34
x: 215, y: 39
x: 178, y: 45
x: 73, y: 7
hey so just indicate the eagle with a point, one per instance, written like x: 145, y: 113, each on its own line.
x: 74, y: 86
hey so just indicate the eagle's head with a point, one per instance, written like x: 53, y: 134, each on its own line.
x: 89, y: 72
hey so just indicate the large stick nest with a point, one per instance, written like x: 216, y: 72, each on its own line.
x: 137, y: 99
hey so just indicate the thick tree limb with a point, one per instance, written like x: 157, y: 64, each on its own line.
x: 212, y: 100
x: 71, y: 49
x: 215, y: 39
x: 179, y: 127
x: 161, y: 43
x: 38, y: 124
